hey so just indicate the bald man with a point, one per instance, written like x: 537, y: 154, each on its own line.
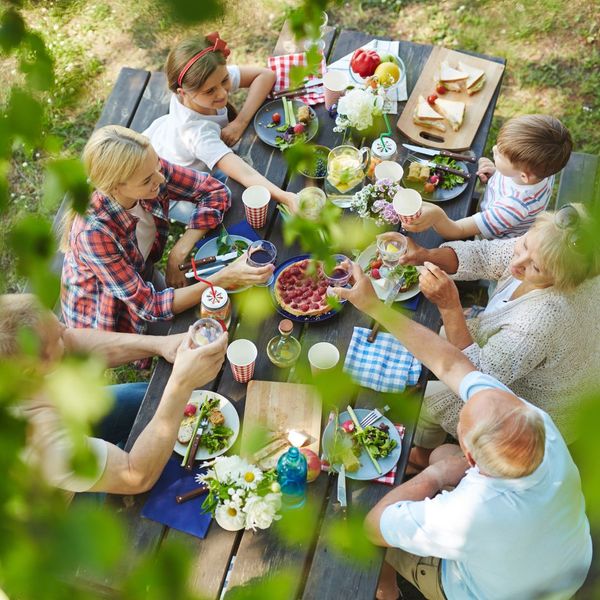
x: 514, y: 524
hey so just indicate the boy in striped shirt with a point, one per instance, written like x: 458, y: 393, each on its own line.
x: 529, y: 151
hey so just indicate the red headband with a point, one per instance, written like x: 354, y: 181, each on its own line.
x: 219, y: 46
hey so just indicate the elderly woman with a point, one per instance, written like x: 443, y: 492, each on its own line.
x: 540, y: 332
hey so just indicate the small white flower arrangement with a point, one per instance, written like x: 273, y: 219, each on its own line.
x: 374, y: 202
x: 358, y: 108
x: 240, y: 495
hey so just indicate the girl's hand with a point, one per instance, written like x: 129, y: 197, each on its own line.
x: 486, y: 168
x: 438, y: 288
x: 240, y: 274
x: 232, y: 132
x: 290, y: 201
x: 431, y: 215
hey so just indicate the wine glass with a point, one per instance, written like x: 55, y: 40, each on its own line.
x: 391, y: 246
x: 261, y: 253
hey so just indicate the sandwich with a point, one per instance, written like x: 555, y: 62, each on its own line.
x: 475, y: 80
x: 453, y: 79
x: 452, y: 111
x: 425, y: 116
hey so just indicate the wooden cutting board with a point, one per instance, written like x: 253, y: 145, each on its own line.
x: 279, y: 407
x: 475, y: 108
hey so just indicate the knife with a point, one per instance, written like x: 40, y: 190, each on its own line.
x: 432, y: 152
x: 341, y: 489
x: 181, y: 498
x: 459, y: 172
x: 307, y: 84
x: 209, y: 259
x: 389, y: 299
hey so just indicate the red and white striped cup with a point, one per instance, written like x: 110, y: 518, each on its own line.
x: 242, y: 358
x: 334, y: 87
x: 408, y: 204
x: 256, y: 202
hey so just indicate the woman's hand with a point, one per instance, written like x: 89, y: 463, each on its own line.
x: 414, y: 255
x: 485, y: 169
x: 362, y: 294
x: 232, y: 133
x: 194, y: 366
x: 240, y: 274
x: 438, y: 287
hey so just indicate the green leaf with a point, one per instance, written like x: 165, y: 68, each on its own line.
x: 25, y: 115
x: 36, y: 63
x: 32, y: 241
x: 279, y: 586
x: 346, y: 538
x: 191, y: 12
x: 67, y: 176
x: 12, y: 30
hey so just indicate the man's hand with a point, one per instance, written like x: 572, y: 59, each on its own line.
x: 438, y: 287
x: 448, y: 471
x: 175, y: 278
x: 485, y: 169
x: 240, y: 274
x: 169, y: 344
x: 195, y: 366
x: 231, y: 133
x: 414, y: 255
x: 431, y: 215
x: 362, y: 294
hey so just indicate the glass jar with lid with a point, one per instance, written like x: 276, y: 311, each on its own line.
x: 215, y: 304
x: 388, y: 150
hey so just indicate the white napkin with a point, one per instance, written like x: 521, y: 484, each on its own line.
x: 394, y: 95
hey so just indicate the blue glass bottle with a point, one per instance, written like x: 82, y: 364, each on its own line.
x: 291, y: 473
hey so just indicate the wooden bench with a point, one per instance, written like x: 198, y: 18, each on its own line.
x: 579, y: 180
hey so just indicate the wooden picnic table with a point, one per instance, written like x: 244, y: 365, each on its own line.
x: 317, y: 571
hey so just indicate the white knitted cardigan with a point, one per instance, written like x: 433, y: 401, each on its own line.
x: 544, y: 345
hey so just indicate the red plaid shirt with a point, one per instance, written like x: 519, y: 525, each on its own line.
x: 102, y: 286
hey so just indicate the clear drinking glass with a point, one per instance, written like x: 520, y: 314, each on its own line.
x: 205, y: 331
x: 391, y: 246
x: 311, y: 201
x: 339, y: 275
x: 261, y: 253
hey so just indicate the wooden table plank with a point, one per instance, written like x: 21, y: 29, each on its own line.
x: 154, y: 102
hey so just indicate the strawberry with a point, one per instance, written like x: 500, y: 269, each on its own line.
x: 299, y: 128
x: 377, y: 264
x: 276, y: 118
x: 190, y: 410
x: 375, y: 274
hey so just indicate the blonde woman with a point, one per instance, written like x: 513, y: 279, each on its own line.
x: 540, y: 332
x: 109, y: 280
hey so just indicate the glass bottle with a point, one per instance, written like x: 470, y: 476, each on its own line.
x: 380, y: 153
x: 284, y: 349
x: 291, y: 474
x: 215, y: 304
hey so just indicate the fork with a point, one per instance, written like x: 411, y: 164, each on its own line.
x: 371, y: 417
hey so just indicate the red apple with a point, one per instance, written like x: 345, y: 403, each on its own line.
x: 314, y: 464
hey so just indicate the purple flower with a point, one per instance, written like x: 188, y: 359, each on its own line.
x: 379, y: 205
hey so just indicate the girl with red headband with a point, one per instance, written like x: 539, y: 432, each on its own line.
x: 199, y: 132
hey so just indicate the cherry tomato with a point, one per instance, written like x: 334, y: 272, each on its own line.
x: 376, y: 264
x: 299, y: 128
x: 440, y: 88
x: 431, y: 99
x: 434, y: 179
x: 375, y: 274
x: 276, y: 117
x: 348, y: 426
x: 429, y: 187
x: 190, y: 410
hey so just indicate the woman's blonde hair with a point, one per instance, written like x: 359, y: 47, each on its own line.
x: 200, y: 71
x: 111, y: 156
x: 566, y: 253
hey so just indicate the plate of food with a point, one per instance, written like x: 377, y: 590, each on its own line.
x: 283, y: 123
x: 370, y: 262
x: 342, y: 443
x: 368, y: 64
x: 434, y: 185
x: 224, y: 243
x: 299, y: 291
x: 223, y: 425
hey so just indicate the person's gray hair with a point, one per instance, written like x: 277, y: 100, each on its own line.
x: 17, y: 312
x: 508, y: 444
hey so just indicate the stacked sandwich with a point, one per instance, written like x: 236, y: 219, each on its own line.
x: 433, y: 111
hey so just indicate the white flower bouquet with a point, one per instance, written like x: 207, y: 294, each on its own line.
x: 374, y: 202
x: 240, y: 495
x: 358, y: 108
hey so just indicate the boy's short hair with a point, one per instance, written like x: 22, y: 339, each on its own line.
x: 537, y: 144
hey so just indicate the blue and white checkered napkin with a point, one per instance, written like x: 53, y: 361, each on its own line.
x: 384, y: 366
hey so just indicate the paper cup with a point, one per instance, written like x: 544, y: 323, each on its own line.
x: 389, y: 169
x: 334, y: 86
x: 242, y: 358
x: 407, y: 203
x: 323, y: 356
x: 256, y: 202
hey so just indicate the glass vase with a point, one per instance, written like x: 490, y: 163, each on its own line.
x: 365, y: 137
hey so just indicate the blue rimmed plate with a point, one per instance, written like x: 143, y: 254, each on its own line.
x: 285, y: 313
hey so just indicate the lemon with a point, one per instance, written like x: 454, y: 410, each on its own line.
x: 391, y: 248
x: 388, y: 73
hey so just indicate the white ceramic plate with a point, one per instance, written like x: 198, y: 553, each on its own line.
x: 367, y: 469
x: 363, y: 262
x: 232, y: 421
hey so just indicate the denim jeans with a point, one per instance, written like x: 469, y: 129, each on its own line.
x: 116, y: 425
